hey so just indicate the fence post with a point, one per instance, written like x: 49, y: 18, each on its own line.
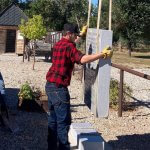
x: 120, y: 93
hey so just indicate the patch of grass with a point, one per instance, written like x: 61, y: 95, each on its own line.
x: 138, y: 59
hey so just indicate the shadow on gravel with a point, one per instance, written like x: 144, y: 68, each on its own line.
x: 138, y: 103
x: 141, y: 103
x: 32, y: 133
x: 131, y: 142
x: 80, y: 118
x: 73, y: 107
x: 12, y: 92
x: 144, y: 57
x: 12, y: 97
x: 78, y: 105
x: 135, y: 104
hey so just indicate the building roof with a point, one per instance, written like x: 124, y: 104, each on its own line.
x: 11, y: 16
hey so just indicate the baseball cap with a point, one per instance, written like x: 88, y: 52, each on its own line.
x: 70, y: 27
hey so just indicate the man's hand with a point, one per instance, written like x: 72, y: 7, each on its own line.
x: 84, y: 30
x: 108, y: 52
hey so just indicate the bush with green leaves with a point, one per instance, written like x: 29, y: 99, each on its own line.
x: 26, y: 92
x: 34, y: 28
x: 114, y: 93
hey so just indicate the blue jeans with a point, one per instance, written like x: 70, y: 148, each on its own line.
x: 59, y: 119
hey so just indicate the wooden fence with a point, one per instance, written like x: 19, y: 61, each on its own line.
x: 122, y: 69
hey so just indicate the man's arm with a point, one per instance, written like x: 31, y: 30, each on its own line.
x: 106, y: 53
x: 90, y: 58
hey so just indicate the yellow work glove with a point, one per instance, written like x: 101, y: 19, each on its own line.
x: 107, y: 52
x: 83, y: 31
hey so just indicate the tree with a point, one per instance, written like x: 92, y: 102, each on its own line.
x: 33, y: 29
x: 79, y: 12
x: 49, y: 11
x: 4, y: 4
x: 57, y: 13
x: 130, y: 19
x: 104, y: 22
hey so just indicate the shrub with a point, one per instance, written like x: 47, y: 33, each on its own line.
x: 114, y: 93
x: 26, y: 92
x: 27, y: 98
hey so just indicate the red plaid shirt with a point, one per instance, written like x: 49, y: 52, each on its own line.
x: 65, y: 55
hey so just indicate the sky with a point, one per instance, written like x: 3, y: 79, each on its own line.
x: 94, y: 1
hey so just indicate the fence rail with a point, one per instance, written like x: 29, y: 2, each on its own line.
x: 122, y: 69
x: 53, y: 37
x: 44, y: 47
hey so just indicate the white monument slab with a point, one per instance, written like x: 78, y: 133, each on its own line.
x: 83, y: 137
x: 97, y: 75
x: 91, y: 143
x: 84, y: 125
x: 78, y: 130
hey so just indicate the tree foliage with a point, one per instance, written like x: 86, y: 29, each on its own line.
x: 57, y: 13
x: 104, y: 15
x: 4, y: 4
x: 79, y: 12
x: 130, y: 19
x: 34, y: 28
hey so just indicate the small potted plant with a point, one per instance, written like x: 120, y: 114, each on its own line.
x: 25, y: 93
x: 27, y: 99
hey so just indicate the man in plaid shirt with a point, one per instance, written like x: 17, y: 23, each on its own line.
x: 65, y: 55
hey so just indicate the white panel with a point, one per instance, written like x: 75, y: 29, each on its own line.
x: 97, y: 77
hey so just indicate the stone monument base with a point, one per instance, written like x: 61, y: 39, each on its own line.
x: 83, y: 137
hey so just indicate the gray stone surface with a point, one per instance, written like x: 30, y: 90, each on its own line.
x: 83, y: 137
x: 91, y: 143
x: 97, y: 75
x: 81, y: 125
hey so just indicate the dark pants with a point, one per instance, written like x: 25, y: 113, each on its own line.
x: 59, y: 118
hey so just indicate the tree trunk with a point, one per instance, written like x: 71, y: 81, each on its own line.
x: 77, y: 21
x: 120, y: 46
x: 34, y: 46
x: 129, y: 52
x: 129, y: 48
x: 120, y: 43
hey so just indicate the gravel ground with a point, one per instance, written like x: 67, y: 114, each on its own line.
x: 130, y: 132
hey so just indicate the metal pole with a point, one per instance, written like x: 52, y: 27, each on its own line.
x: 89, y: 13
x: 24, y: 49
x: 98, y: 25
x: 110, y: 13
x: 120, y: 93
